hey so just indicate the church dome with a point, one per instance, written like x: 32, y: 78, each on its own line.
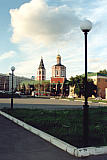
x: 58, y: 59
x: 58, y: 56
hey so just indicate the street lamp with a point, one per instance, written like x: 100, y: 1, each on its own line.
x: 85, y: 26
x: 12, y: 69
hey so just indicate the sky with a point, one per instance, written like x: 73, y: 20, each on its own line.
x: 31, y: 29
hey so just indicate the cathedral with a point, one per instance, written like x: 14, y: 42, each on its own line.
x: 58, y: 76
x: 58, y: 71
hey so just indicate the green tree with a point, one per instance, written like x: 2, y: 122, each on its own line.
x: 58, y: 88
x: 23, y: 88
x: 19, y: 88
x: 79, y: 82
x: 66, y: 87
x: 72, y: 81
x: 53, y: 89
x: 103, y: 71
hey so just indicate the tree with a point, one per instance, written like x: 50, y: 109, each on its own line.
x: 79, y: 85
x: 91, y: 88
x: 58, y: 92
x: 66, y: 87
x: 79, y: 82
x: 19, y: 87
x: 72, y: 81
x: 23, y: 88
x: 103, y: 71
x: 53, y: 89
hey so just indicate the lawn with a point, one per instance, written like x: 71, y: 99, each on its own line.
x: 67, y: 124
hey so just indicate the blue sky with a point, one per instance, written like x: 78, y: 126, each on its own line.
x: 31, y: 29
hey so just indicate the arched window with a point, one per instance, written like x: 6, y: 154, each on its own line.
x: 56, y: 72
x: 39, y: 72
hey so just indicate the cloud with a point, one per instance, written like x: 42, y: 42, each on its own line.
x: 7, y: 55
x: 46, y: 28
x: 42, y: 23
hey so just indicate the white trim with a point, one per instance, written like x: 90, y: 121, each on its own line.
x: 102, y: 77
x: 96, y: 77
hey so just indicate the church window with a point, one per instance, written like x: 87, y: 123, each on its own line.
x: 56, y: 72
x: 63, y: 73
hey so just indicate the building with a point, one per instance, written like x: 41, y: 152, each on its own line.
x: 41, y: 73
x: 100, y: 80
x: 6, y: 81
x: 58, y: 77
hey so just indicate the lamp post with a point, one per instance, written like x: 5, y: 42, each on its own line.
x: 12, y: 69
x: 85, y: 26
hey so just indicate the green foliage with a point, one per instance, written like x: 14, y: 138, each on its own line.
x: 23, y: 89
x: 103, y: 71
x: 72, y: 81
x: 79, y: 83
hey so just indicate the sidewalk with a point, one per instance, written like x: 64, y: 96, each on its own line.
x: 17, y: 143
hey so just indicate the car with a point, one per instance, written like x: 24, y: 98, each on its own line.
x: 98, y: 98
x: 38, y: 94
x: 2, y: 91
x: 17, y: 92
x: 71, y: 96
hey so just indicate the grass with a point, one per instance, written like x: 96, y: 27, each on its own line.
x: 67, y: 124
x: 89, y: 99
x: 104, y: 101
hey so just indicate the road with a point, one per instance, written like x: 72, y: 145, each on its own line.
x: 41, y: 103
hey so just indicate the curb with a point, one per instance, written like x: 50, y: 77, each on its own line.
x: 78, y: 152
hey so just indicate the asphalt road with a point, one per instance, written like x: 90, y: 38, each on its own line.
x: 41, y: 103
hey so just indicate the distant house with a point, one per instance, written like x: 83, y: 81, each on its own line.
x: 6, y: 81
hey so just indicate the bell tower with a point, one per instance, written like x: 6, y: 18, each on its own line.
x: 41, y: 73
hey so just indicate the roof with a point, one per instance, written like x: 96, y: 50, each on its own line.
x: 41, y: 65
x: 59, y: 65
x: 96, y: 74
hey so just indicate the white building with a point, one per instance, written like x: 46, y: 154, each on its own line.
x: 6, y: 81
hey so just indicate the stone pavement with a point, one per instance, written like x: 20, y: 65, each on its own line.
x: 16, y: 143
x: 44, y: 103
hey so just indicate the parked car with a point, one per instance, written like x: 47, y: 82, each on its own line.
x: 1, y: 91
x: 19, y: 93
x: 38, y: 94
x: 98, y: 98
